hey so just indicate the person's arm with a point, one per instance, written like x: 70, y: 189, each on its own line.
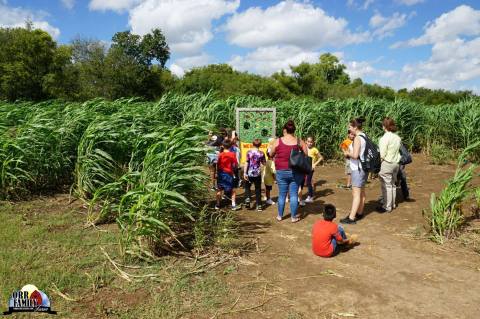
x: 235, y: 162
x: 320, y: 158
x: 339, y: 238
x: 216, y: 165
x: 245, y: 168
x: 382, y: 145
x: 355, y: 153
x: 274, y: 148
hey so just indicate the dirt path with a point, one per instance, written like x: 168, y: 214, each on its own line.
x: 389, y: 275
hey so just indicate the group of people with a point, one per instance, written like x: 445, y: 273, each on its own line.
x: 274, y: 166
x: 259, y: 167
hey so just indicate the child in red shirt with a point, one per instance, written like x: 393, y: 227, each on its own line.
x: 326, y: 235
x: 226, y: 165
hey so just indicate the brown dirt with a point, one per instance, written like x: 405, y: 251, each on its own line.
x: 393, y: 273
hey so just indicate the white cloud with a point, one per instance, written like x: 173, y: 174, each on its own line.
x: 463, y: 20
x: 367, y: 4
x: 290, y: 23
x: 182, y: 65
x: 268, y: 60
x: 384, y: 26
x: 455, y: 40
x: 410, y: 2
x: 362, y: 69
x: 450, y: 64
x: 364, y: 6
x: 177, y: 70
x: 186, y: 24
x: 69, y: 4
x: 17, y: 17
x: 114, y: 5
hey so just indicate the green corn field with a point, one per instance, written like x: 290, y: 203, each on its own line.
x: 142, y: 163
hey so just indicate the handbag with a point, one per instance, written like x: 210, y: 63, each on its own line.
x: 298, y: 161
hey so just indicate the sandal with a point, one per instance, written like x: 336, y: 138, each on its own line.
x: 295, y: 220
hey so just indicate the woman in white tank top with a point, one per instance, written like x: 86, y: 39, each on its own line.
x: 355, y: 163
x: 359, y: 177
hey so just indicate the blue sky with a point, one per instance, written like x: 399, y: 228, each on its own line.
x: 400, y: 43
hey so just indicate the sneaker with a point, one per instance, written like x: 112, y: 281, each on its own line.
x: 359, y: 216
x: 236, y: 207
x: 302, y: 203
x: 259, y: 208
x: 217, y: 207
x: 270, y: 202
x: 347, y: 220
x: 247, y: 204
x: 382, y: 210
x: 309, y: 200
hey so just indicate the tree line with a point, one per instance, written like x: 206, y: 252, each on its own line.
x: 34, y: 67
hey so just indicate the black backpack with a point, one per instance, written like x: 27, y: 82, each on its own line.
x: 299, y: 161
x: 371, y: 157
x: 405, y: 156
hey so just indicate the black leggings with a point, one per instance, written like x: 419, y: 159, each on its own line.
x: 257, y: 181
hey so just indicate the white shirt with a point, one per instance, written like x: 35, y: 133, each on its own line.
x: 355, y: 163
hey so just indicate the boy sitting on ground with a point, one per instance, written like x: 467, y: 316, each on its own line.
x: 327, y: 236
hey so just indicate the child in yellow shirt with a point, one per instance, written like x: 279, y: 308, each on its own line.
x: 269, y: 178
x: 316, y: 157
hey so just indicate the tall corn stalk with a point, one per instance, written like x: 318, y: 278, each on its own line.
x: 446, y: 216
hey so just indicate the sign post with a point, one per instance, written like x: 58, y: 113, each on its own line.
x: 255, y: 123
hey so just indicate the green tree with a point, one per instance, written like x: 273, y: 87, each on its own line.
x: 331, y: 70
x: 62, y: 81
x: 26, y: 59
x: 314, y: 79
x: 129, y: 69
x: 88, y: 57
x: 143, y: 50
x: 222, y: 79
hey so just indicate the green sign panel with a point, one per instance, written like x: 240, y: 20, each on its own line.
x: 255, y: 123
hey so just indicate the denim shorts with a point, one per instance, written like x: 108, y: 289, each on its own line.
x: 359, y: 178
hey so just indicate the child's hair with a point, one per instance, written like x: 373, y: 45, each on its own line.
x: 257, y: 143
x: 312, y: 138
x: 330, y: 212
x: 226, y: 144
x: 358, y: 122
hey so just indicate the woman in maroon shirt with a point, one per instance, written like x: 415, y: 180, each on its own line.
x: 288, y: 181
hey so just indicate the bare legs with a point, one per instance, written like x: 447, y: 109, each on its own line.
x: 358, y: 202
